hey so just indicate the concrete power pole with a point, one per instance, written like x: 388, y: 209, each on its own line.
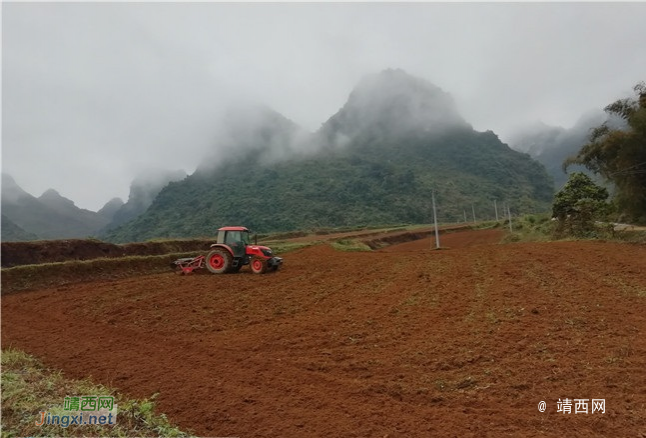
x: 437, y: 232
x: 495, y: 207
x: 473, y: 210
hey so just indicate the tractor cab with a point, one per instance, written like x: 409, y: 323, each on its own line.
x: 236, y: 238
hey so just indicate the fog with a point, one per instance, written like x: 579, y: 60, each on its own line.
x: 93, y: 94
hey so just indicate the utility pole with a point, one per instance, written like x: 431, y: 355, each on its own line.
x: 465, y: 215
x: 437, y: 232
x: 511, y: 230
x: 495, y: 207
x: 473, y: 210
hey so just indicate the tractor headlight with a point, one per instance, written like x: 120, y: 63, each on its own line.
x: 267, y: 252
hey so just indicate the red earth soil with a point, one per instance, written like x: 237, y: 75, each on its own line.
x: 461, y: 342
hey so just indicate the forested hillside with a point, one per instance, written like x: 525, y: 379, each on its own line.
x: 374, y: 162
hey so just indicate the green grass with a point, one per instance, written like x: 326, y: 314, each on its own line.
x: 283, y: 247
x: 29, y: 388
x: 349, y: 245
x: 529, y: 228
x: 631, y: 236
x: 540, y: 228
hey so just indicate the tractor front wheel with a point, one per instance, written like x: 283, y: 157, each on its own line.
x: 219, y: 261
x: 258, y: 265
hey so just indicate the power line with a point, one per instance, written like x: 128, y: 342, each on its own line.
x: 623, y: 171
x: 633, y: 172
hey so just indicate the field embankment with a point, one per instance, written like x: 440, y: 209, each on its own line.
x: 62, y: 274
x: 56, y: 251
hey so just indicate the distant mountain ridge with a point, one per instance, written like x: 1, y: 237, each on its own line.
x: 13, y: 233
x: 50, y: 216
x: 375, y: 161
x: 110, y: 208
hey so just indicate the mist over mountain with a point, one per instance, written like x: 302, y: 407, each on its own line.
x: 391, y: 104
x: 375, y: 161
x: 551, y: 145
x: 143, y: 191
x: 254, y: 134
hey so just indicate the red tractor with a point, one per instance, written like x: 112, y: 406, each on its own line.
x: 233, y: 249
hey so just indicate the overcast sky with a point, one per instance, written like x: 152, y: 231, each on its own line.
x: 94, y: 93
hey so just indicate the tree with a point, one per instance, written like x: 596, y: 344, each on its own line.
x: 619, y: 155
x: 578, y: 205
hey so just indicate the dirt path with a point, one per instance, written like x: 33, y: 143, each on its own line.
x: 372, y: 234
x: 463, y: 342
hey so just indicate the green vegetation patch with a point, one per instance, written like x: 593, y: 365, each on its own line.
x: 530, y: 228
x: 349, y: 245
x: 283, y: 247
x: 29, y: 388
x: 631, y: 236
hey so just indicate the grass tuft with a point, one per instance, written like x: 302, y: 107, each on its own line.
x: 29, y: 388
x: 349, y: 245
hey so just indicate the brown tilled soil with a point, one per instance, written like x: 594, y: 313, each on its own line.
x: 460, y: 342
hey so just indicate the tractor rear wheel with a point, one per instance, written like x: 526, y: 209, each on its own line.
x: 219, y: 261
x: 258, y: 265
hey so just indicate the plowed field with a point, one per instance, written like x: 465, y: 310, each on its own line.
x: 407, y: 342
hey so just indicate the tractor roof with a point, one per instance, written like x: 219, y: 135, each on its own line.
x: 233, y: 229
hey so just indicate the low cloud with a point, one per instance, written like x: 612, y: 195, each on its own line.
x: 93, y: 93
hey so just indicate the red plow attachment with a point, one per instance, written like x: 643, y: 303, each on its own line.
x: 187, y: 265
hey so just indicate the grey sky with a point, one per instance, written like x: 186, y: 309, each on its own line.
x: 94, y: 93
